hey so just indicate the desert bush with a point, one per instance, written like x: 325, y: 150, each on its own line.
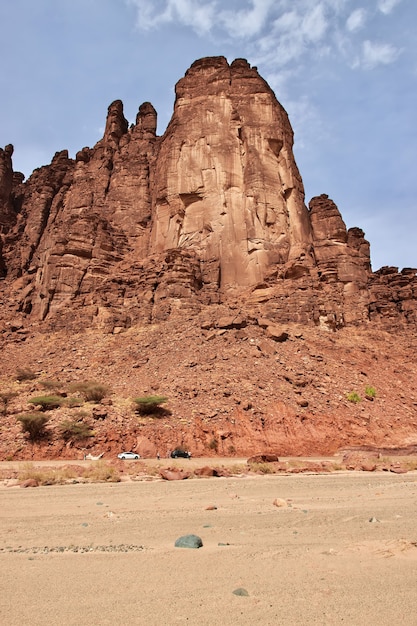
x: 96, y: 392
x: 213, y: 444
x: 23, y: 373
x: 50, y: 384
x: 100, y: 471
x: 262, y: 468
x: 148, y: 405
x: 73, y: 402
x: 5, y: 397
x: 92, y: 391
x: 352, y: 396
x: 47, y: 402
x: 34, y: 425
x: 74, y: 430
x: 370, y: 392
x: 237, y: 468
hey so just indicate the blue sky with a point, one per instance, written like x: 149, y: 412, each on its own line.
x: 345, y: 70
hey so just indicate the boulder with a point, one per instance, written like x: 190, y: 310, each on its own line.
x: 189, y: 541
x: 174, y: 474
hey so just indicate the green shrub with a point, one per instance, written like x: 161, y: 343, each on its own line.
x: 23, y: 373
x: 96, y: 392
x: 74, y: 430
x: 92, y: 391
x: 370, y: 392
x: 148, y: 405
x: 352, y: 396
x: 47, y: 402
x: 34, y: 425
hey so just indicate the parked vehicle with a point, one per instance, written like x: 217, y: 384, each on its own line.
x: 178, y: 453
x: 128, y: 455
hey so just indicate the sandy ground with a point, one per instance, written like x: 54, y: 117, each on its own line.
x: 105, y: 554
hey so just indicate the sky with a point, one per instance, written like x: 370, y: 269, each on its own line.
x: 345, y: 71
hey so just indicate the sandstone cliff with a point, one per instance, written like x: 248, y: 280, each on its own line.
x: 189, y: 265
x: 142, y: 228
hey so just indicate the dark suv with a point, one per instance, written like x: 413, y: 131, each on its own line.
x: 183, y: 454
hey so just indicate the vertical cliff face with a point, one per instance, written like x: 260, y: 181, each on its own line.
x: 140, y: 227
x: 226, y: 182
x: 6, y: 184
x: 80, y: 218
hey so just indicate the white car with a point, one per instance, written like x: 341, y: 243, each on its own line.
x: 128, y: 455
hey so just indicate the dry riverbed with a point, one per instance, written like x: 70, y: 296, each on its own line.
x: 339, y: 548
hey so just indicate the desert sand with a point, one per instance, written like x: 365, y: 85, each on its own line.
x: 342, y: 549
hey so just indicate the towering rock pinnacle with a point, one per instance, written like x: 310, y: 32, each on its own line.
x: 140, y: 228
x: 226, y: 182
x: 6, y: 182
x: 116, y: 124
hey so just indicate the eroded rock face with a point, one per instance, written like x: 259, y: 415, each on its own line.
x: 142, y: 228
x: 6, y: 183
x: 227, y: 184
x: 81, y: 218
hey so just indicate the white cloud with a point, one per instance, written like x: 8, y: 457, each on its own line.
x: 286, y: 22
x: 386, y: 6
x: 277, y: 34
x: 247, y: 22
x: 191, y: 13
x: 314, y: 24
x: 356, y: 20
x: 374, y: 54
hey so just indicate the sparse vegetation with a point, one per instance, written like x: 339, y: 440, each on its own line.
x: 262, y: 468
x: 50, y: 384
x: 411, y: 465
x: 34, y: 425
x: 370, y: 392
x: 47, y: 402
x: 5, y: 397
x: 150, y: 405
x: 354, y: 397
x: 92, y: 391
x: 97, y: 472
x: 213, y: 444
x: 102, y: 472
x: 72, y: 402
x: 74, y: 430
x: 25, y: 374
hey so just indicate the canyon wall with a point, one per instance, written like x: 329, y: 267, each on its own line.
x: 140, y: 228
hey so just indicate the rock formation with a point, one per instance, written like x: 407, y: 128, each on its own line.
x: 227, y: 186
x: 141, y: 228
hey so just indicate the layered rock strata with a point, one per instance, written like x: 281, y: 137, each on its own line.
x: 140, y: 228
